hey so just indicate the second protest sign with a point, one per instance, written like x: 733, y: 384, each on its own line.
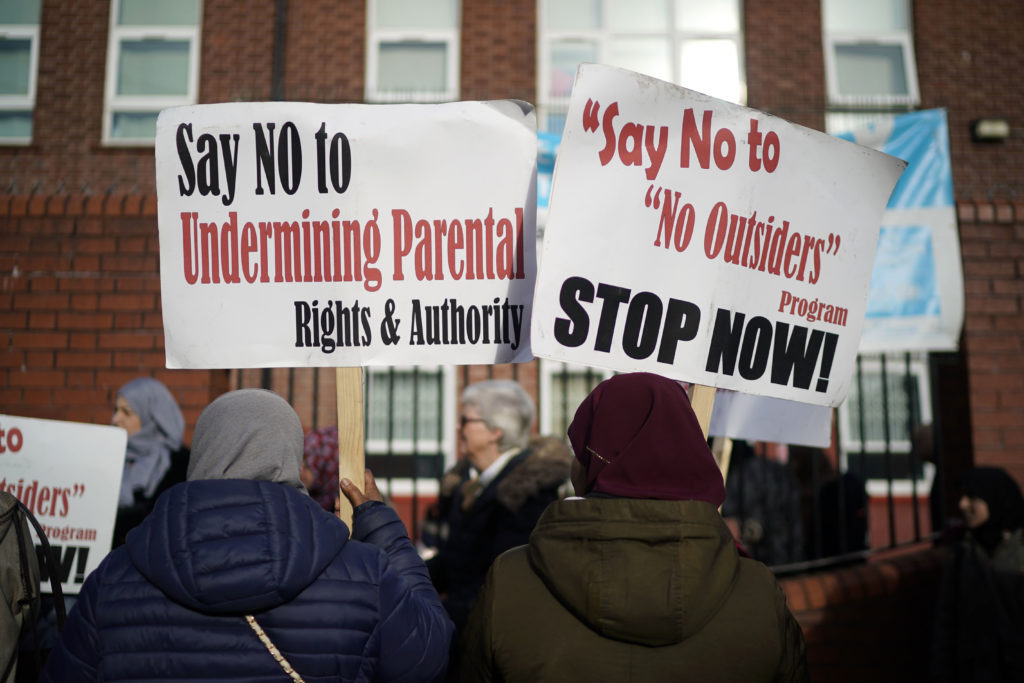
x: 707, y: 242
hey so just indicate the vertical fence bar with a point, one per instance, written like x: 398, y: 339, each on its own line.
x: 910, y: 389
x: 888, y: 450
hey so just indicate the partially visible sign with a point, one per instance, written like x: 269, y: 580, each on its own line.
x: 69, y: 475
x: 916, y: 299
x: 707, y: 242
x: 296, y: 234
x: 762, y: 418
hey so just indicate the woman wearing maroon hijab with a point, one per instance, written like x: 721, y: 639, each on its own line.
x: 638, y: 577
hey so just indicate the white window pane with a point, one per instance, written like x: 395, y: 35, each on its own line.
x: 158, y: 13
x: 711, y: 67
x: 572, y: 14
x: 403, y: 409
x: 412, y: 67
x: 19, y: 11
x: 720, y: 16
x: 15, y: 62
x: 651, y: 56
x: 871, y: 70
x: 153, y: 67
x: 131, y: 125
x: 565, y: 57
x: 415, y: 14
x: 865, y: 16
x: 637, y: 15
x: 16, y: 124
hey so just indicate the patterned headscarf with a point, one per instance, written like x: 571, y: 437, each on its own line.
x: 637, y: 437
x: 148, y: 455
x: 320, y: 452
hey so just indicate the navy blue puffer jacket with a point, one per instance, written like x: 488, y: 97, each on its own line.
x: 170, y: 604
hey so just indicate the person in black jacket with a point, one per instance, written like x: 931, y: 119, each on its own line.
x: 502, y: 495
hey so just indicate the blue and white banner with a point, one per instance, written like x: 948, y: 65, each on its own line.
x: 916, y: 295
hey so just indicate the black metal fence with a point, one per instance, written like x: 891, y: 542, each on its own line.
x: 410, y: 430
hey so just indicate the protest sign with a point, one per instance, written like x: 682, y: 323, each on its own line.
x: 763, y: 418
x: 69, y: 475
x: 706, y: 242
x: 296, y: 234
x: 916, y: 297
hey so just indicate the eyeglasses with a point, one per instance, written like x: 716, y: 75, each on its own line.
x: 463, y: 420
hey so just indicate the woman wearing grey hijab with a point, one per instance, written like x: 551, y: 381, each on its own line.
x: 146, y: 409
x: 155, y: 457
x: 238, y: 575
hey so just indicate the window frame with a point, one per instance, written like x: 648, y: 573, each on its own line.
x: 900, y: 38
x: 444, y: 446
x: 27, y: 102
x: 603, y: 36
x: 114, y: 104
x: 849, y: 441
x: 548, y: 371
x: 376, y: 37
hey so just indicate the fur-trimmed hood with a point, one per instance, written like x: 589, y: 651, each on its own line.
x: 547, y: 464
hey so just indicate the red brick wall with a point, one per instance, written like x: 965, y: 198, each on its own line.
x: 499, y: 48
x: 870, y: 622
x: 80, y: 308
x: 965, y: 59
x: 992, y: 240
x: 784, y: 63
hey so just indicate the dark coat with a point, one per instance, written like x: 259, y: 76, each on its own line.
x: 170, y: 604
x: 616, y: 589
x: 499, y: 517
x: 979, y: 621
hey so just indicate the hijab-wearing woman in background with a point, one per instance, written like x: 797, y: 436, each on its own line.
x: 979, y: 625
x: 155, y: 457
x: 639, y: 578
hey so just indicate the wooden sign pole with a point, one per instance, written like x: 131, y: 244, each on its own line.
x: 351, y: 447
x: 702, y: 398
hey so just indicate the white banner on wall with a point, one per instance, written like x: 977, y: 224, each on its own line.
x: 296, y: 234
x: 707, y: 242
x: 69, y: 475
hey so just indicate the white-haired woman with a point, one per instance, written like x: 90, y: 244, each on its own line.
x: 510, y: 484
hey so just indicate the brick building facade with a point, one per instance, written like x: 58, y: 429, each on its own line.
x: 80, y: 295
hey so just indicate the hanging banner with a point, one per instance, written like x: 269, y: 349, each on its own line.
x: 707, y: 242
x: 69, y: 475
x: 299, y: 234
x: 916, y: 298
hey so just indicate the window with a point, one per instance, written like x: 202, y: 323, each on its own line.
x: 19, y: 62
x: 694, y: 43
x: 152, y: 64
x: 563, y: 387
x: 412, y: 51
x: 869, y: 54
x: 878, y: 446
x: 409, y: 426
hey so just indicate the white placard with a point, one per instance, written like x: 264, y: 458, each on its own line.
x: 296, y: 234
x: 707, y: 242
x: 763, y: 418
x: 69, y: 475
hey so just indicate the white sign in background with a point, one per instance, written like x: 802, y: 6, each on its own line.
x: 707, y: 242
x: 69, y: 475
x: 296, y: 234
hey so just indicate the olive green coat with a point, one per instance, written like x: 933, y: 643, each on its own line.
x: 631, y: 590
